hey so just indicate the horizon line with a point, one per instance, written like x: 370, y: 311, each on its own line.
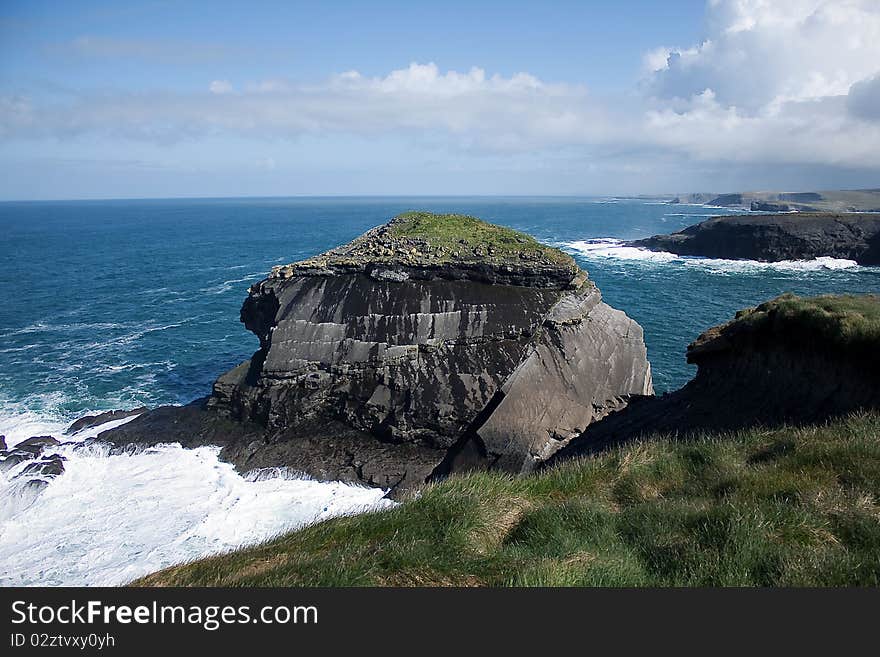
x: 330, y: 196
x: 658, y: 195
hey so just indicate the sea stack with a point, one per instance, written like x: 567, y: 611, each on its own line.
x: 431, y: 344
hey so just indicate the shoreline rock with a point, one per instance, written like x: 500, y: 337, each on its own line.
x: 38, y: 441
x: 90, y: 421
x: 776, y: 237
x: 40, y: 466
x: 787, y: 361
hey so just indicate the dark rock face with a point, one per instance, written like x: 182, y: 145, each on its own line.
x: 390, y: 360
x: 415, y: 362
x: 331, y: 450
x: 384, y: 355
x: 745, y: 378
x: 771, y: 238
x: 90, y: 421
x: 191, y: 426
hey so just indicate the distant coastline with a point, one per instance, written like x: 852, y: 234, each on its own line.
x: 853, y: 200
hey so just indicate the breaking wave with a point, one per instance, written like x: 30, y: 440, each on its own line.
x: 608, y: 248
x: 111, y: 517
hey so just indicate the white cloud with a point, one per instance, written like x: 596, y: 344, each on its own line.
x: 772, y: 82
x: 493, y: 112
x: 761, y: 50
x: 220, y: 87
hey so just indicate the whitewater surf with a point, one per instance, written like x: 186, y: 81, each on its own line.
x: 112, y: 517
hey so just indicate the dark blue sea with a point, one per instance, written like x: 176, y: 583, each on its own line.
x: 115, y: 304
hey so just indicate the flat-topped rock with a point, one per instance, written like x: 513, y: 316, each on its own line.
x: 428, y: 345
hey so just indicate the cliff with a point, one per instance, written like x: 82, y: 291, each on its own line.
x: 774, y: 237
x: 790, y: 360
x: 432, y: 344
x: 763, y: 507
x: 775, y: 486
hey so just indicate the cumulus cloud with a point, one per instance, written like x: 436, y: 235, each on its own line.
x: 771, y: 82
x: 760, y: 52
x: 781, y: 81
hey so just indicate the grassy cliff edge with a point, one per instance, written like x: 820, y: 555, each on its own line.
x: 788, y: 507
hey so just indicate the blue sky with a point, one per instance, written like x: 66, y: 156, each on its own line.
x: 160, y: 99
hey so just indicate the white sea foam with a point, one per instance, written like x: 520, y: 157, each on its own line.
x: 226, y: 286
x: 617, y: 249
x: 110, y: 518
x: 691, y: 214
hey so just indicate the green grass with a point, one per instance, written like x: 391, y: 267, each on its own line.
x: 457, y: 231
x: 787, y: 507
x: 842, y: 320
x: 848, y: 324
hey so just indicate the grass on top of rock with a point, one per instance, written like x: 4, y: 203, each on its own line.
x: 782, y: 507
x: 848, y: 322
x: 454, y: 231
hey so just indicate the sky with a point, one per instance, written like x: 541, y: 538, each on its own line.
x: 205, y: 99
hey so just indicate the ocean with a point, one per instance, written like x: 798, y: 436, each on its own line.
x: 117, y: 304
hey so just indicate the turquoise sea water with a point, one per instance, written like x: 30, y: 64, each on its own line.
x: 110, y: 304
x: 114, y: 304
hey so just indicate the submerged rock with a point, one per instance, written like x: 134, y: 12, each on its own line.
x: 10, y: 458
x: 775, y: 237
x: 46, y: 467
x: 38, y: 465
x: 430, y: 344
